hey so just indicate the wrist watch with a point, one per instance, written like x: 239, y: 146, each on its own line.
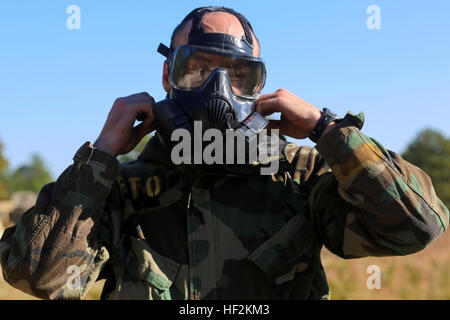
x: 327, y: 117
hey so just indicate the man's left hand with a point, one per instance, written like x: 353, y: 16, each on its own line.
x: 298, y: 117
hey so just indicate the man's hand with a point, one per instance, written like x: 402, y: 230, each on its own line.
x: 119, y: 136
x: 298, y: 117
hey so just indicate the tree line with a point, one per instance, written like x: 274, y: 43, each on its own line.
x: 430, y: 151
x: 31, y: 176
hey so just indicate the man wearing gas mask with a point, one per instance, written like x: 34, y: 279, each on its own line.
x: 155, y: 230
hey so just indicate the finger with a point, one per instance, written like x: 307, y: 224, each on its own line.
x: 141, y: 96
x: 275, y: 125
x: 268, y: 106
x: 144, y: 128
x: 142, y: 107
x: 266, y: 96
x: 142, y: 103
x: 145, y: 114
x: 278, y: 93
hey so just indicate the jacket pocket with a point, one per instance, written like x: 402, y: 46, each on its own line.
x: 150, y: 274
x: 288, y: 258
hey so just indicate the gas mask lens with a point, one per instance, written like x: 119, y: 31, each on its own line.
x: 190, y: 67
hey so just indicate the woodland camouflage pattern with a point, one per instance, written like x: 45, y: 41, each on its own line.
x: 158, y: 231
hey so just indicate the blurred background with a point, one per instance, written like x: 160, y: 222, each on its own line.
x: 62, y: 65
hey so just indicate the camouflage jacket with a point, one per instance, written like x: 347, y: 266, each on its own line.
x: 159, y: 231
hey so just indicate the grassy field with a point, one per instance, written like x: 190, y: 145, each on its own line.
x: 424, y: 275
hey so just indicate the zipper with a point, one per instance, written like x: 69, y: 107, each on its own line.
x: 190, y: 292
x: 189, y: 201
x: 193, y: 295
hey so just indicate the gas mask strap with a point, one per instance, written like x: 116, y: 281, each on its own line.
x: 197, y: 31
x: 164, y: 50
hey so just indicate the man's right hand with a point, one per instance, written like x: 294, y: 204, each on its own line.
x: 119, y: 135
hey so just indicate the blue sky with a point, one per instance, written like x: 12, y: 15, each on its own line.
x: 57, y: 85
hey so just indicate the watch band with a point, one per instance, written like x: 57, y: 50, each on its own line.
x: 327, y: 117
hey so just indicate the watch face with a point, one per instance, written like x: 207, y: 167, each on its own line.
x: 328, y: 116
x: 331, y: 116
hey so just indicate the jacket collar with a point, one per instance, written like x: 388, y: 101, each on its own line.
x: 156, y: 152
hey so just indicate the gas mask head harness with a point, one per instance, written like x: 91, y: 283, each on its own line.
x: 215, y: 79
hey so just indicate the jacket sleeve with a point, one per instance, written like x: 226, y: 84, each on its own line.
x: 59, y: 247
x: 367, y: 201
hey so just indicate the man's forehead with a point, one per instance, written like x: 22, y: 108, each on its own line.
x: 216, y: 22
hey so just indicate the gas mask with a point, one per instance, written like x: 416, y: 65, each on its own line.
x: 215, y: 79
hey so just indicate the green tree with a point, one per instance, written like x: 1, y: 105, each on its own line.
x: 3, y: 175
x: 430, y: 151
x: 31, y: 176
